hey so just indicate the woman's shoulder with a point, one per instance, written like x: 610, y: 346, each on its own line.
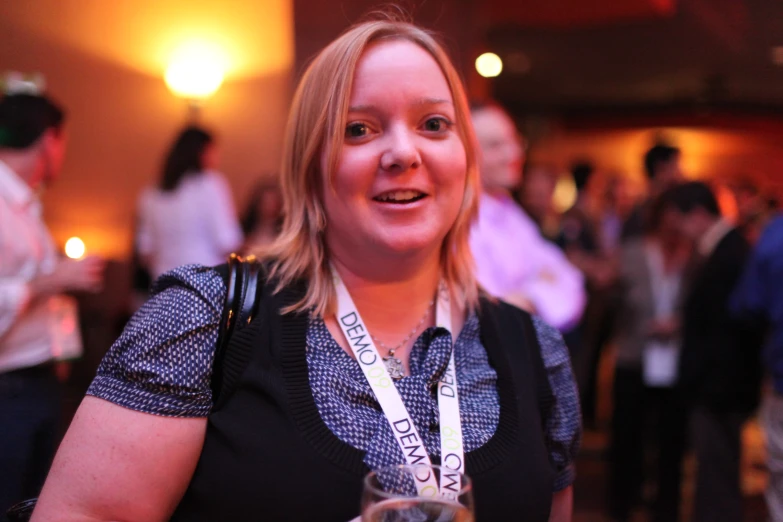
x: 562, y: 420
x: 212, y: 178
x: 147, y: 197
x: 552, y: 347
x: 197, y: 281
x: 554, y: 351
x: 162, y: 362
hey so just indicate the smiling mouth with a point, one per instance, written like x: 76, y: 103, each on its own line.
x: 400, y: 197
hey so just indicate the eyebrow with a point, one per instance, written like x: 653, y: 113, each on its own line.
x: 420, y: 101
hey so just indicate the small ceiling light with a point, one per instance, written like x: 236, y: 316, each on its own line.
x: 489, y: 65
x: 196, y: 71
x: 74, y: 248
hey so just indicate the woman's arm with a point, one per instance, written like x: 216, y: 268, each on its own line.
x: 120, y: 464
x: 563, y: 430
x: 562, y: 505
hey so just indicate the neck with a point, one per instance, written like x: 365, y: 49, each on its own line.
x: 669, y: 246
x: 496, y: 192
x: 395, y: 304
x: 22, y: 164
x: 707, y: 226
x: 674, y: 251
x: 396, y: 301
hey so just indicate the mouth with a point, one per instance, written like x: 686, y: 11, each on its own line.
x: 400, y: 197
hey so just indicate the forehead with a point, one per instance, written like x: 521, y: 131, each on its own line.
x: 396, y: 70
x: 492, y: 123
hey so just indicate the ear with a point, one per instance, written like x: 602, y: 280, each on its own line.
x: 48, y: 139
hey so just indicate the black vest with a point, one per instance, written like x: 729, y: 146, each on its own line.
x: 269, y: 456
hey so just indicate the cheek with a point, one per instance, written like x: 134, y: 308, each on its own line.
x: 349, y: 185
x: 355, y: 171
x: 451, y: 171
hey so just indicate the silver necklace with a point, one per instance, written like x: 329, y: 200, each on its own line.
x: 394, y: 364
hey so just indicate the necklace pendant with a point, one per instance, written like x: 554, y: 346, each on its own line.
x: 394, y: 367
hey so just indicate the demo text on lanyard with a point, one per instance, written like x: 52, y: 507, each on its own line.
x: 405, y: 432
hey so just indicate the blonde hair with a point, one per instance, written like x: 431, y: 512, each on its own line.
x: 317, y: 119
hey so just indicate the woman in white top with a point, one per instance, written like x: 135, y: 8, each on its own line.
x: 190, y: 216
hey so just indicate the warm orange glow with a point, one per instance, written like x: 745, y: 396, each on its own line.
x: 256, y: 37
x: 705, y: 153
x: 196, y: 70
x: 110, y: 241
x: 727, y: 202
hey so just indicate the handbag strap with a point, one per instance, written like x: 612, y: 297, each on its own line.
x: 242, y: 282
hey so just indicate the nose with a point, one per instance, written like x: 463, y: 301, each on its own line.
x: 401, y: 153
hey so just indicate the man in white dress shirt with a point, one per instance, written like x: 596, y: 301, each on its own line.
x: 513, y: 261
x: 38, y: 325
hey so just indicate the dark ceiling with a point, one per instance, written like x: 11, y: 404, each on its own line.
x: 644, y: 54
x: 583, y: 55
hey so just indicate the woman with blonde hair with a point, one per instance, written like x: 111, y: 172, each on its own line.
x: 380, y: 186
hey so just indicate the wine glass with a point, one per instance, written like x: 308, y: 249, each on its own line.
x: 390, y: 495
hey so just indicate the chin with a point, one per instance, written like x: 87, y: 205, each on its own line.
x: 409, y: 243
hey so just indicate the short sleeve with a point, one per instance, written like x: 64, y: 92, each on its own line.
x: 564, y: 426
x: 162, y: 362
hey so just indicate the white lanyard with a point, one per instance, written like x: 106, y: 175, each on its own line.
x: 402, y: 425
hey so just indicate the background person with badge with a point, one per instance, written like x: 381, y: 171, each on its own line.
x: 646, y: 391
x: 371, y: 345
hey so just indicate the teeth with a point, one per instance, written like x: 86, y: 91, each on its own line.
x: 399, y: 195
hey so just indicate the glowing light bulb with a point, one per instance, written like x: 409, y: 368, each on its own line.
x: 565, y: 194
x: 196, y: 70
x: 489, y: 65
x: 74, y: 248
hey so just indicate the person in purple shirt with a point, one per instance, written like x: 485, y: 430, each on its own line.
x: 513, y: 261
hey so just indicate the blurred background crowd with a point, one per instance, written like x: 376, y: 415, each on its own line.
x: 632, y: 174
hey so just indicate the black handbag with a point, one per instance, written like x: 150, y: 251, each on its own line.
x: 242, y: 277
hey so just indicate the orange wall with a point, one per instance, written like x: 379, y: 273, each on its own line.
x: 121, y: 116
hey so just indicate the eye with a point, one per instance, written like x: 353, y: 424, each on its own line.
x: 356, y: 130
x: 437, y: 124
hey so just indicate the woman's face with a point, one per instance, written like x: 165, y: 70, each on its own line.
x: 538, y: 188
x: 502, y: 149
x: 270, y: 204
x: 400, y: 178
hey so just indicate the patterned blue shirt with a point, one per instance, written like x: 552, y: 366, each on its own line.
x: 162, y: 364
